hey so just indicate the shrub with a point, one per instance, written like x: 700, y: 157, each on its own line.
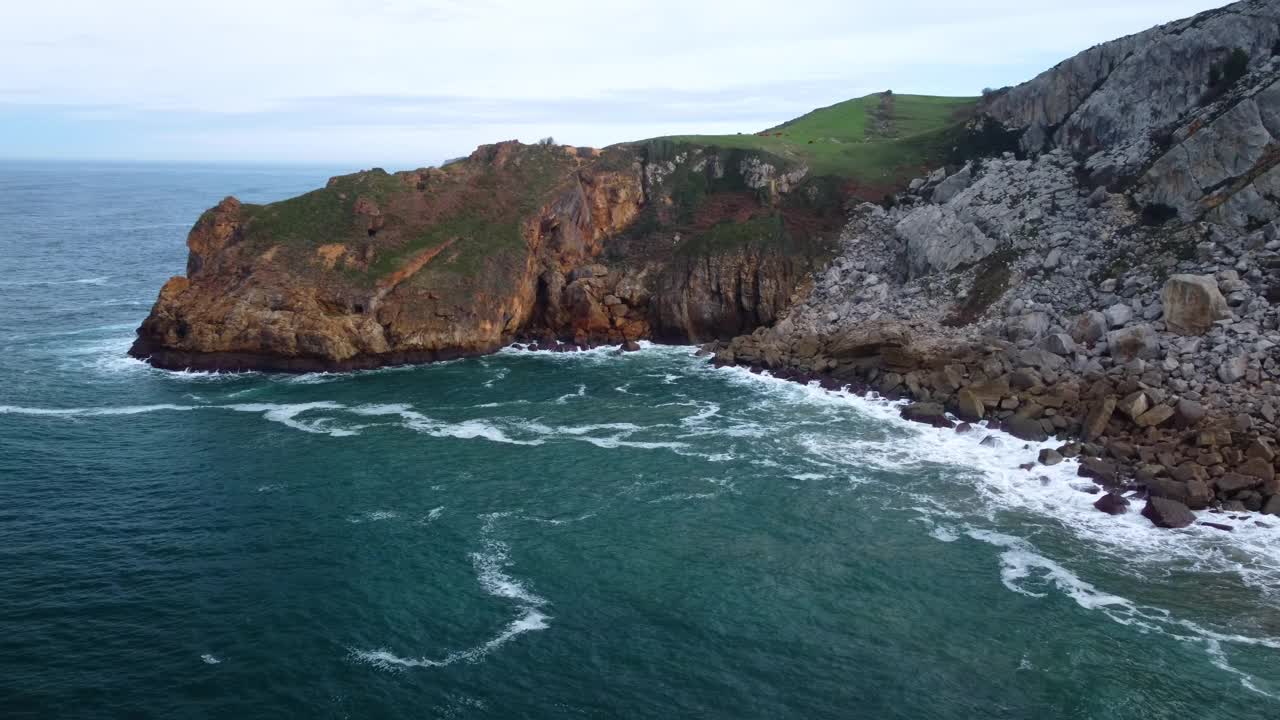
x: 547, y: 141
x: 1236, y: 66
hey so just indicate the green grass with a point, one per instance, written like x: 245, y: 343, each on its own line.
x: 320, y: 216
x: 844, y: 140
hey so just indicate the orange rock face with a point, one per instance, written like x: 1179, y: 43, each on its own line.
x: 541, y: 241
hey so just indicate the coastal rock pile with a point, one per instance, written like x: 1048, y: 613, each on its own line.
x: 1113, y: 283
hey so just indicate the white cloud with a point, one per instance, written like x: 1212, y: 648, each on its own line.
x: 250, y: 60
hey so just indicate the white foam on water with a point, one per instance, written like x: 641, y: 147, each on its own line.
x: 1251, y: 552
x: 498, y: 376
x: 681, y: 497
x: 490, y: 564
x: 580, y: 392
x: 94, y: 412
x: 945, y: 534
x: 288, y: 415
x: 373, y: 516
x: 210, y: 659
x: 465, y: 430
x: 1027, y: 572
x: 314, y: 378
x: 101, y: 280
x: 708, y: 410
x: 275, y: 487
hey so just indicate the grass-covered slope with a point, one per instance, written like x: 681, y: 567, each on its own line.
x: 875, y: 140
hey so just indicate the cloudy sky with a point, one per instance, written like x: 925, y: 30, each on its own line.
x: 404, y: 83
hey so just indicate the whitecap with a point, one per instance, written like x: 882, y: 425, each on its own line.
x: 490, y: 564
x: 288, y: 415
x: 1027, y: 572
x: 210, y: 659
x: 93, y: 412
x: 580, y: 392
x: 373, y: 516
x: 1250, y: 552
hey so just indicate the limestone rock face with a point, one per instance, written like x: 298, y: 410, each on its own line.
x: 1192, y: 303
x: 1109, y: 96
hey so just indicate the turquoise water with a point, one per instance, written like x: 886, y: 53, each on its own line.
x: 544, y: 536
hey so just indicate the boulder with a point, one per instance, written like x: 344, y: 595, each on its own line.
x: 1272, y: 506
x: 1096, y: 423
x: 1188, y: 413
x: 629, y: 346
x: 1155, y: 417
x: 1231, y: 483
x: 1138, y: 341
x: 1134, y: 404
x: 1112, y: 504
x: 1028, y: 326
x: 1097, y: 469
x: 928, y: 414
x: 1194, y: 494
x: 968, y: 406
x: 1089, y: 328
x: 1217, y: 526
x: 938, y: 240
x: 953, y: 185
x: 1192, y: 303
x: 1166, y: 513
x: 1059, y: 344
x: 1053, y: 259
x: 1025, y: 428
x: 1259, y: 468
x: 1261, y: 448
x: 1233, y: 369
x: 1050, y: 457
x: 1118, y: 315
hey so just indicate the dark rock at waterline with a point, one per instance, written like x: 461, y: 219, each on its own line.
x: 1027, y: 466
x: 1025, y: 428
x: 1217, y: 526
x: 629, y: 346
x: 1166, y: 513
x: 1100, y: 470
x: 1112, y: 504
x: 928, y: 414
x: 1086, y: 488
x: 990, y: 441
x: 963, y: 428
x: 1272, y: 507
x: 1050, y: 457
x: 830, y: 383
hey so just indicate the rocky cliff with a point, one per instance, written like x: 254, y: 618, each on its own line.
x: 550, y: 242
x: 1109, y: 281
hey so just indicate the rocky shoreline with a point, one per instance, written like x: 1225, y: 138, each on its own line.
x: 1100, y: 262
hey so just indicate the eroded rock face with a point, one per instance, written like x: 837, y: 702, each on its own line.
x: 590, y: 247
x: 1109, y: 97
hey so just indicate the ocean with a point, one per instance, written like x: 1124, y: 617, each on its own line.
x: 536, y: 535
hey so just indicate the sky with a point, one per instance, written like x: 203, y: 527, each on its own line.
x: 410, y: 83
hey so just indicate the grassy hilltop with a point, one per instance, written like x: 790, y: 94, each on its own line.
x: 874, y: 140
